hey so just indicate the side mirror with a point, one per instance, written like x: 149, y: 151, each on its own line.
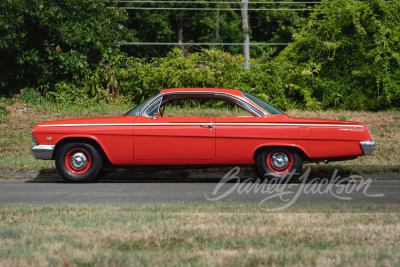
x: 154, y: 117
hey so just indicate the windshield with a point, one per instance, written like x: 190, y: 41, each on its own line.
x: 136, y: 111
x: 266, y: 107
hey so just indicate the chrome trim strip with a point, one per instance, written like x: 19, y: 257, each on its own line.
x: 88, y: 124
x: 286, y: 124
x: 175, y: 124
x: 367, y: 147
x: 43, y: 151
x: 245, y: 124
x: 352, y: 130
x: 199, y: 123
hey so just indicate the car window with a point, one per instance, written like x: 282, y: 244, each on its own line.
x: 266, y: 107
x: 201, y: 108
x: 136, y: 111
x: 152, y: 108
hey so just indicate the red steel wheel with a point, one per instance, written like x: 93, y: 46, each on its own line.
x: 77, y: 160
x: 279, y: 161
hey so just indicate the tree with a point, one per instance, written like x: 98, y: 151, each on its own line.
x: 346, y: 56
x: 42, y: 41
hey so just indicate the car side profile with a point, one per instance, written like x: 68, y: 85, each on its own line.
x: 201, y: 127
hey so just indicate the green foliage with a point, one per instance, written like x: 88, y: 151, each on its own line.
x: 43, y: 41
x: 346, y: 56
x: 207, y: 69
x: 210, y: 26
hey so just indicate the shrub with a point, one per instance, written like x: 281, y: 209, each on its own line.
x: 346, y: 56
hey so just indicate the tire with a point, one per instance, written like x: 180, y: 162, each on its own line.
x: 278, y: 163
x: 78, y: 162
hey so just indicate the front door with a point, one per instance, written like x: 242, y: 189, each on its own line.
x: 174, y: 138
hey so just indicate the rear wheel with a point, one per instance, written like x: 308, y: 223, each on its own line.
x: 278, y: 163
x: 78, y: 162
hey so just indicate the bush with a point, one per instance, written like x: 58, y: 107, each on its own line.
x: 139, y: 79
x: 347, y: 56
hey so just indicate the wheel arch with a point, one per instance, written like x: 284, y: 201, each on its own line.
x: 301, y: 151
x: 86, y: 140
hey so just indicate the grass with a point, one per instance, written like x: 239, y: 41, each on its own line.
x: 16, y: 126
x: 196, y: 234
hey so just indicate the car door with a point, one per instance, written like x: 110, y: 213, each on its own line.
x: 173, y: 138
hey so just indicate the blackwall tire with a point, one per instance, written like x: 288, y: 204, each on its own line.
x: 78, y: 162
x: 279, y: 163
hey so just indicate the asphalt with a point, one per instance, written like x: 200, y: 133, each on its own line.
x: 160, y: 188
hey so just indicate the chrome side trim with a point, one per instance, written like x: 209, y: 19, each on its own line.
x: 87, y: 124
x: 43, y: 151
x: 244, y: 124
x: 285, y: 124
x: 200, y: 123
x: 367, y: 147
x: 352, y: 130
x: 174, y: 124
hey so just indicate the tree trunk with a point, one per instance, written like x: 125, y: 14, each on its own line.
x: 180, y: 32
x: 217, y: 27
x: 245, y: 31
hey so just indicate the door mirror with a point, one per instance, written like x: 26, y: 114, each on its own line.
x: 154, y: 116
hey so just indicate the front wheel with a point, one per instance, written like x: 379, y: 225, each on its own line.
x: 278, y: 163
x: 78, y: 162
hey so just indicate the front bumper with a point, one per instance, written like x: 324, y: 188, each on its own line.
x: 367, y: 147
x: 43, y: 151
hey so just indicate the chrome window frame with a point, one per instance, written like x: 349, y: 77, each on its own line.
x: 242, y: 102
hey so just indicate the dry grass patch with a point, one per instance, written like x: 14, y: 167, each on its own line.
x: 195, y: 234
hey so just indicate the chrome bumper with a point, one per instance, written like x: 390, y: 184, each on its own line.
x: 367, y: 147
x: 43, y: 151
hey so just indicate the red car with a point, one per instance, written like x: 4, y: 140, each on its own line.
x: 197, y: 126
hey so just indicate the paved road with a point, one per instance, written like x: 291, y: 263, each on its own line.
x: 131, y: 192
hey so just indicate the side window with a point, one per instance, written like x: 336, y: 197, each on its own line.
x: 201, y: 108
x: 152, y: 108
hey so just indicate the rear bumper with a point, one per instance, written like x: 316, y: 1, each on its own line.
x: 43, y: 151
x: 367, y: 147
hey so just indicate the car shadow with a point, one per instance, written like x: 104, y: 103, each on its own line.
x: 208, y: 175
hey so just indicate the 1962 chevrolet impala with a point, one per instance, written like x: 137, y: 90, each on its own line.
x: 234, y: 128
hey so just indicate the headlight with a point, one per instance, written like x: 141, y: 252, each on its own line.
x: 34, y: 140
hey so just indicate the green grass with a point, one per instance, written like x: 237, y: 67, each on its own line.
x: 198, y: 234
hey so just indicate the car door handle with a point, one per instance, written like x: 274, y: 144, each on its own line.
x: 207, y: 125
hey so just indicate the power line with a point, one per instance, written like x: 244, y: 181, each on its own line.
x: 199, y: 18
x: 206, y: 44
x: 211, y: 9
x: 227, y: 2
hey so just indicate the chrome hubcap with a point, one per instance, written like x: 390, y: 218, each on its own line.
x: 78, y: 161
x: 279, y: 161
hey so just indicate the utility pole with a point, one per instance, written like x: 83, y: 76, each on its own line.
x: 180, y: 32
x: 245, y: 30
